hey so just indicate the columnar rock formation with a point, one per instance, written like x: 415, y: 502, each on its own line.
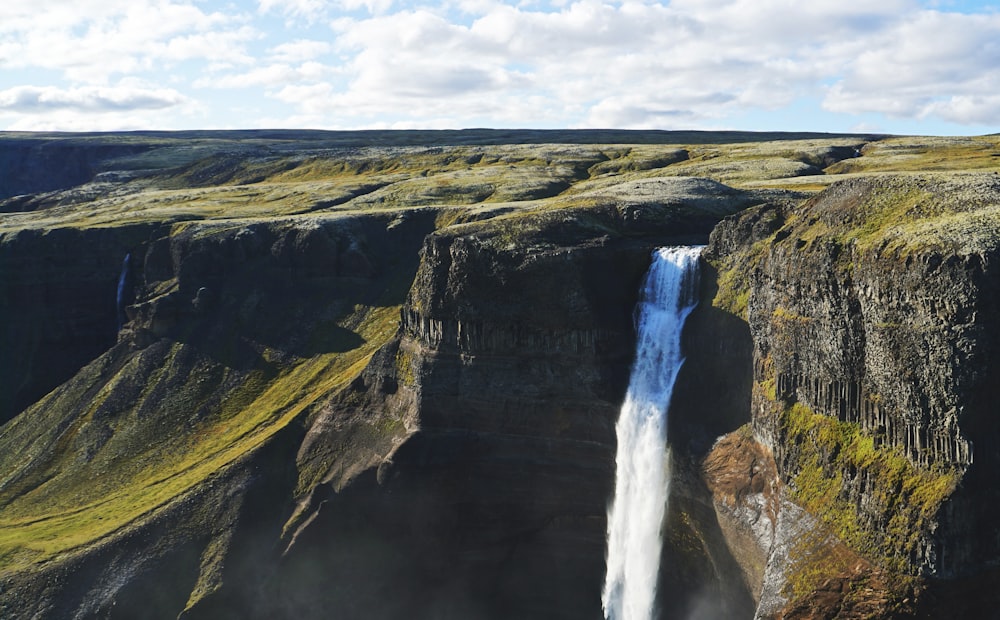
x: 872, y: 310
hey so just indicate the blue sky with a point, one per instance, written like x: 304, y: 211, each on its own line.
x: 900, y: 66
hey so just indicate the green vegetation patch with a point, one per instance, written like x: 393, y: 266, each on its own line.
x: 822, y: 565
x: 733, y: 294
x: 923, y: 154
x: 902, y: 214
x: 734, y: 273
x: 784, y: 315
x: 904, y: 498
x: 84, y: 491
x: 963, y: 233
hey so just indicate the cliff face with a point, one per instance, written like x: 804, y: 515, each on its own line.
x: 33, y: 166
x: 521, y: 356
x: 497, y: 501
x: 58, y: 297
x: 382, y: 382
x: 392, y: 413
x: 169, y: 462
x: 871, y: 309
x: 512, y: 354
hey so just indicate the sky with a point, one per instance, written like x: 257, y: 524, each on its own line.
x: 927, y: 67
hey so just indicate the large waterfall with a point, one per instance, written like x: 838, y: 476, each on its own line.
x: 642, y: 477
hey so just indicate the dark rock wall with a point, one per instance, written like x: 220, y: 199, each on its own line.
x: 894, y: 343
x: 32, y: 166
x: 895, y: 338
x: 899, y: 345
x: 517, y: 358
x: 58, y: 305
x: 495, y: 507
x: 520, y: 376
x: 712, y: 393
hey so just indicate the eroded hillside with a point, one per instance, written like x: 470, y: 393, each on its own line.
x: 377, y: 375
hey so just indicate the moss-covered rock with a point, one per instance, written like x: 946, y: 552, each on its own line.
x: 871, y: 309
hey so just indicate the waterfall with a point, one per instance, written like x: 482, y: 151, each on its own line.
x: 668, y: 295
x: 124, y: 297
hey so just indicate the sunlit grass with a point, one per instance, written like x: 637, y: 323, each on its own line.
x: 69, y: 511
x: 224, y: 186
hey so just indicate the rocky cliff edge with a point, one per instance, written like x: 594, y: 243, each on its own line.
x: 872, y: 310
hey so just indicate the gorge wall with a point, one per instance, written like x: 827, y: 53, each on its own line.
x: 400, y: 402
x: 461, y: 461
x: 872, y: 309
x: 57, y: 298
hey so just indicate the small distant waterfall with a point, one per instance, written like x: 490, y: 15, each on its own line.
x: 668, y: 295
x: 124, y: 293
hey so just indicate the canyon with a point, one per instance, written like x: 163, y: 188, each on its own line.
x: 377, y: 374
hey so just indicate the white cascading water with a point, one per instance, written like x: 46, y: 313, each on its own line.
x: 641, y: 477
x: 121, y: 299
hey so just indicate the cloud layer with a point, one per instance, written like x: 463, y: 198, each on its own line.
x: 384, y: 63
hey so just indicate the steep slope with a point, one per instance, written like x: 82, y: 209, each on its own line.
x: 238, y: 333
x: 872, y: 312
x: 58, y: 301
x: 513, y: 351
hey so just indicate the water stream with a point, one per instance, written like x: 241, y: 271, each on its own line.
x: 122, y: 299
x: 642, y: 476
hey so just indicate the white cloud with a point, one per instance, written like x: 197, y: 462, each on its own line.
x: 92, y: 40
x: 929, y: 65
x: 219, y: 47
x: 269, y: 76
x: 66, y: 120
x: 633, y: 63
x: 642, y: 65
x: 26, y: 15
x: 647, y: 110
x: 128, y: 105
x: 35, y: 99
x: 374, y: 7
x: 300, y: 50
x: 968, y: 109
x: 306, y: 9
x: 314, y: 9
